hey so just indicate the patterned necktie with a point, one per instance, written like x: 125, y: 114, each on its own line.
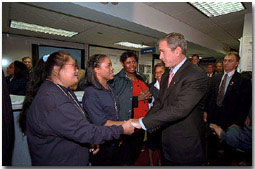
x: 170, y: 78
x: 221, y: 91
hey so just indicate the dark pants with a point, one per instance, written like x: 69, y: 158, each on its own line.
x: 219, y: 153
x: 131, y: 147
x: 165, y: 162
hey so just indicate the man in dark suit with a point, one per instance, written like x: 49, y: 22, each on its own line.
x: 178, y: 110
x: 228, y: 101
x: 210, y: 70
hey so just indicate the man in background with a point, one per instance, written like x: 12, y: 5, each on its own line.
x: 218, y: 67
x: 228, y: 104
x: 210, y: 70
x: 195, y: 59
x: 28, y: 62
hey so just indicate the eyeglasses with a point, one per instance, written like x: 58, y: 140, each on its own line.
x: 74, y: 65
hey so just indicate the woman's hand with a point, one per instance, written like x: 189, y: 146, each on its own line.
x: 144, y: 95
x: 93, y: 150
x: 128, y: 127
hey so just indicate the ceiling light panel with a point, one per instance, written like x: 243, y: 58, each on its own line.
x: 132, y: 45
x: 212, y: 9
x: 42, y: 29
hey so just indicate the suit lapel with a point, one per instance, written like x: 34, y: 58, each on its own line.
x: 174, y: 80
x: 163, y: 84
x: 218, y: 83
x: 232, y: 82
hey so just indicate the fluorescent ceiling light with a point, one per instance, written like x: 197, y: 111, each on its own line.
x: 43, y: 29
x: 212, y: 9
x: 132, y: 45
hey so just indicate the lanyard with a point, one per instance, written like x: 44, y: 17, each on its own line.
x: 69, y: 95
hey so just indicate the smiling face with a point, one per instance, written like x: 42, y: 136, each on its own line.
x: 130, y: 65
x: 68, y: 74
x: 105, y: 70
x: 159, y: 71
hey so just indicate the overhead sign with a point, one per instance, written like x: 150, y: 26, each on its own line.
x: 148, y: 50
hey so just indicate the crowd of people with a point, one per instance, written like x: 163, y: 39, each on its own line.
x: 188, y: 115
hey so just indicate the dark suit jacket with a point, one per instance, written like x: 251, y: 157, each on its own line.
x: 7, y: 125
x: 178, y: 111
x: 236, y: 104
x: 154, y: 91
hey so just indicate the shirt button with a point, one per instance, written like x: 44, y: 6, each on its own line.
x: 130, y: 98
x: 129, y: 110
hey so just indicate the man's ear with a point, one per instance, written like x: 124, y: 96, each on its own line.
x: 178, y: 51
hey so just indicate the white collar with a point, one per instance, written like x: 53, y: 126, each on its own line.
x: 230, y: 74
x: 157, y: 84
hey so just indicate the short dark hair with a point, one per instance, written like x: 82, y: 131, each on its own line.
x: 210, y: 64
x: 126, y: 55
x: 175, y: 40
x: 90, y: 77
x: 219, y: 61
x: 235, y: 54
x: 195, y: 55
x: 26, y: 57
x: 20, y: 70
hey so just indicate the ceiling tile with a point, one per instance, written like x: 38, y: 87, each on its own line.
x: 235, y: 24
x: 186, y: 17
x: 227, y: 18
x: 201, y: 24
x: 236, y: 33
x: 172, y: 8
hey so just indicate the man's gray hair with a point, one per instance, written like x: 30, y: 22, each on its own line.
x: 175, y: 40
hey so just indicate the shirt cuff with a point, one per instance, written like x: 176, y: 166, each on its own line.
x: 141, y: 123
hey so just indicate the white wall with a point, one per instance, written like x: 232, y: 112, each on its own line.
x: 16, y: 47
x: 246, y: 50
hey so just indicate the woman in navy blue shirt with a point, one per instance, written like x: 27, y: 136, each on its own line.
x: 56, y: 125
x: 101, y: 105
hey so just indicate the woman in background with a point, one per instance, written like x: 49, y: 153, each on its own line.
x: 102, y: 106
x: 18, y: 84
x: 153, y: 141
x: 133, y: 94
x: 57, y: 129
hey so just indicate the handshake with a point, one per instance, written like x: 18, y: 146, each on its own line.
x: 130, y: 125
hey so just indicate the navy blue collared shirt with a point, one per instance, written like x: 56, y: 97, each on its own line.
x: 100, y: 105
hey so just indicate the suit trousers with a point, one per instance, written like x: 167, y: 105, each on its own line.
x: 131, y: 147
